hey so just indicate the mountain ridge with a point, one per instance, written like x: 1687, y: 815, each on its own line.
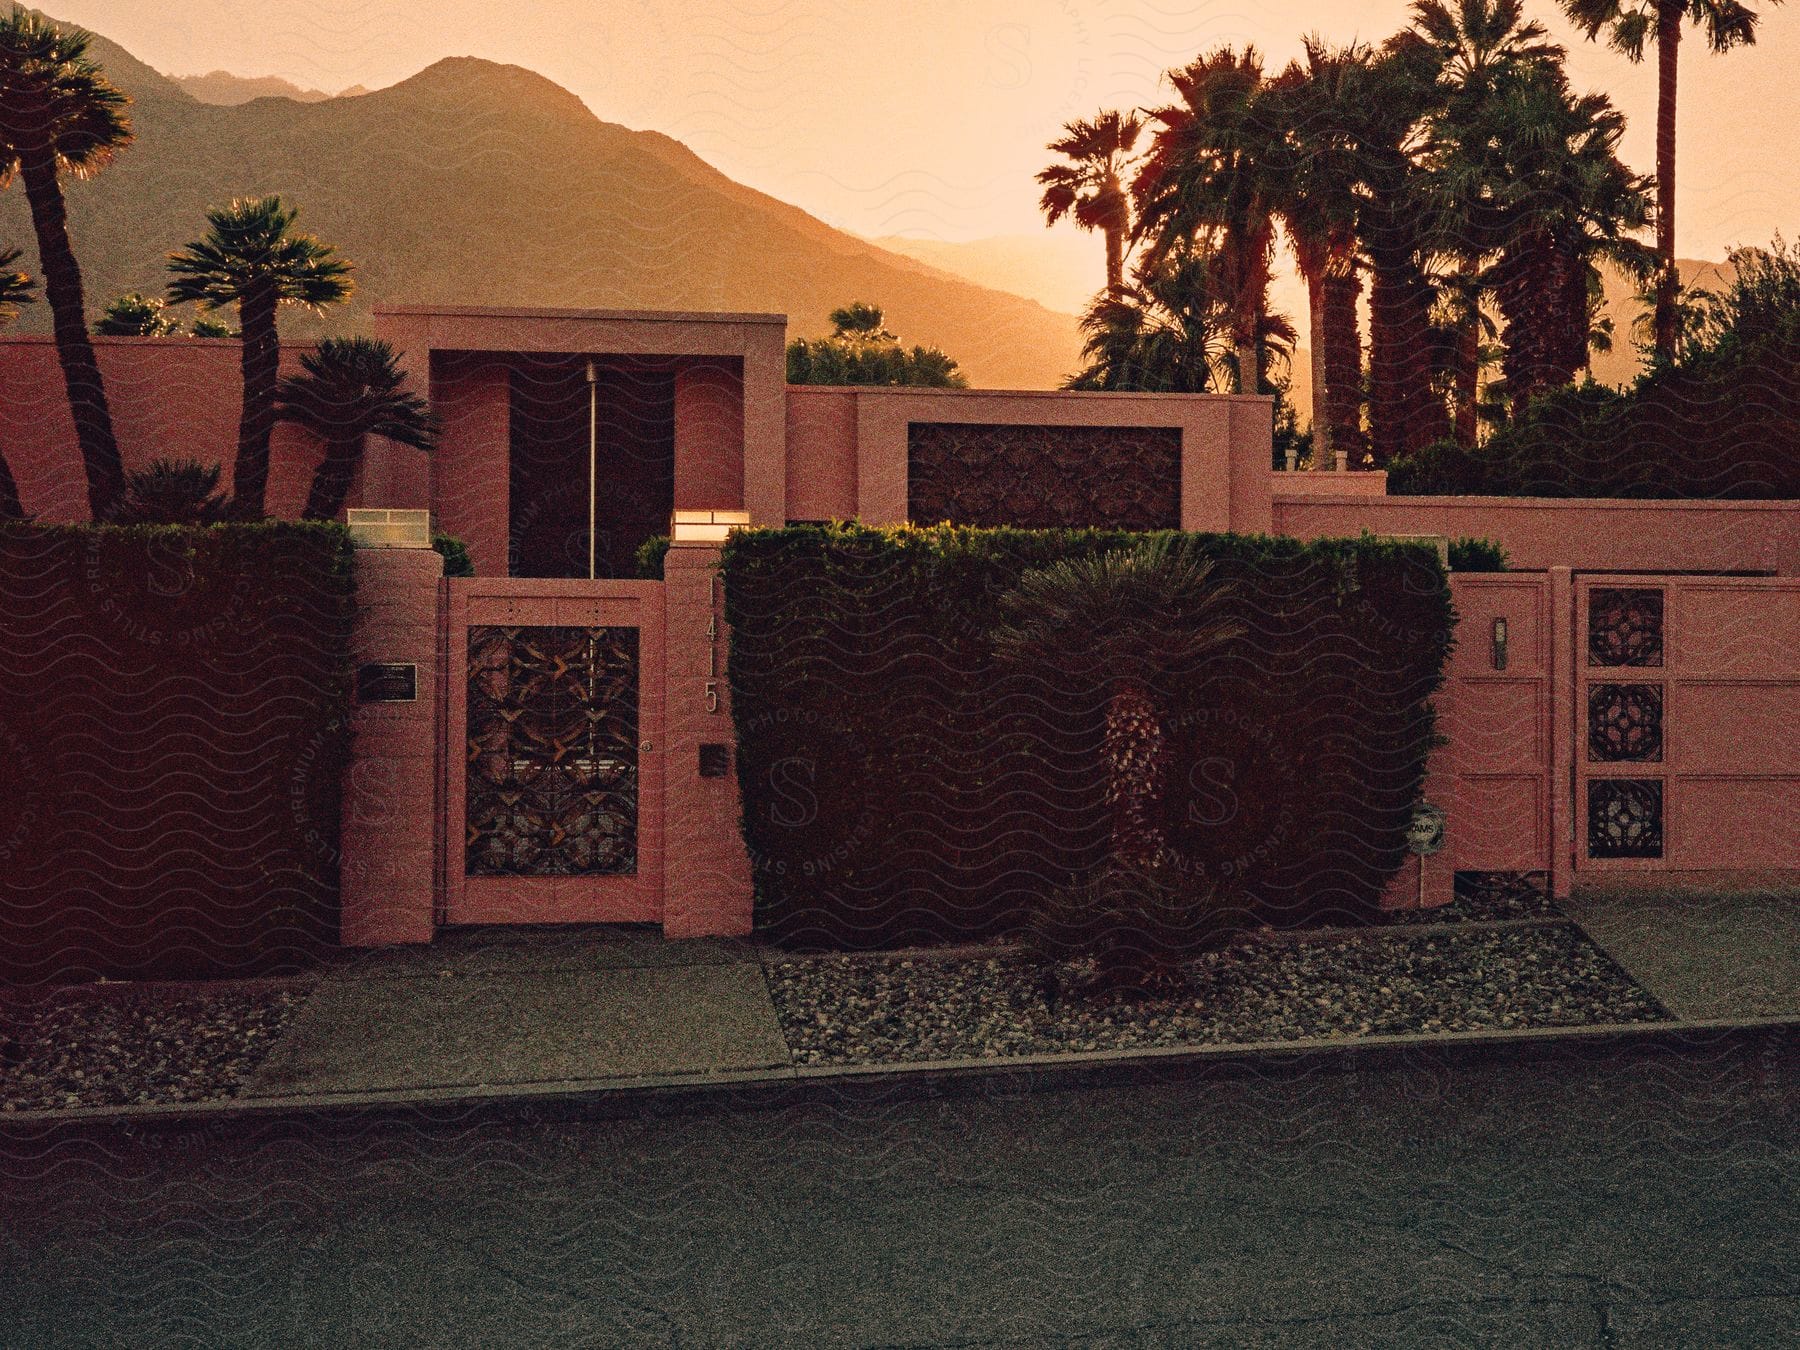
x: 482, y: 183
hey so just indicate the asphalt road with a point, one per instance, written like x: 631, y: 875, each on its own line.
x: 1644, y: 1200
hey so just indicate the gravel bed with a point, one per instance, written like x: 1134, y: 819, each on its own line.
x: 1483, y: 897
x: 126, y: 1050
x: 858, y: 1010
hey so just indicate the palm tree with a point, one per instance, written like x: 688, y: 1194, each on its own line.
x: 1090, y: 188
x: 16, y: 288
x: 1630, y: 24
x: 250, y: 258
x: 1168, y: 332
x: 1319, y: 105
x: 1565, y: 204
x: 1212, y: 177
x: 1126, y: 623
x: 59, y: 114
x: 351, y: 390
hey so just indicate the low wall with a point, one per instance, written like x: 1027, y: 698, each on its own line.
x: 1599, y: 534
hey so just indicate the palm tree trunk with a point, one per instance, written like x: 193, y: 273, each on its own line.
x: 261, y: 362
x: 1468, y: 377
x: 1342, y: 343
x: 81, y: 369
x: 331, y: 480
x: 1668, y: 48
x: 1321, y: 409
x: 1115, y: 261
x: 1399, y: 353
x: 1137, y: 763
x: 11, y: 508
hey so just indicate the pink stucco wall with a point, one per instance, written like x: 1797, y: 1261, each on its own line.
x: 171, y: 398
x: 391, y: 807
x: 1585, y: 534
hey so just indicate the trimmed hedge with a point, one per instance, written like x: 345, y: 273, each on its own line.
x: 172, y: 712
x: 899, y: 785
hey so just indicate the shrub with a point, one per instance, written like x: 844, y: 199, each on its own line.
x: 172, y: 492
x: 172, y: 744
x: 901, y: 782
x: 457, y: 562
x: 650, y: 557
x: 1476, y: 555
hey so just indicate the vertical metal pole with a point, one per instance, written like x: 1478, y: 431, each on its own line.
x: 593, y: 460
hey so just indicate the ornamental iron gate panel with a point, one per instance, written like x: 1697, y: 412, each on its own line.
x: 552, y: 751
x: 553, y: 799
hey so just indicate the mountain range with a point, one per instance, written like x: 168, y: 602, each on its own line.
x: 487, y: 184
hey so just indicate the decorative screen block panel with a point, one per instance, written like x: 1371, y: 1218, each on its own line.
x: 1625, y: 818
x: 1625, y: 626
x: 1625, y: 722
x: 552, y: 783
x: 1044, y: 477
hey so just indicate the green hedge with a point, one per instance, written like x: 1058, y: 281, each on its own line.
x: 898, y: 785
x: 172, y: 707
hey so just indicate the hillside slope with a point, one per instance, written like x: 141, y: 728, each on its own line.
x: 487, y: 184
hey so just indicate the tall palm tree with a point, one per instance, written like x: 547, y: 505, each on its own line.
x: 1126, y: 623
x: 1319, y: 105
x: 59, y: 114
x: 1630, y: 25
x: 16, y: 288
x: 1458, y: 56
x: 1090, y: 187
x: 1212, y: 177
x: 1564, y: 203
x: 251, y: 258
x: 1395, y: 228
x: 351, y: 389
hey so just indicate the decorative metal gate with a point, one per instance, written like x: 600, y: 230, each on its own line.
x: 1685, y: 754
x: 556, y: 697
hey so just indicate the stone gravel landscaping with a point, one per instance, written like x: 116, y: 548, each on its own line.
x: 102, y: 1048
x: 894, y: 1009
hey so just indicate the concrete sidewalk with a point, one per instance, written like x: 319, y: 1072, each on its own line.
x: 1719, y: 957
x: 490, y: 1008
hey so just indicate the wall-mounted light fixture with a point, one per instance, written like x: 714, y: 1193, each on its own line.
x: 705, y: 527
x: 1499, y: 644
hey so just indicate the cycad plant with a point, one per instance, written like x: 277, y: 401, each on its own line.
x: 60, y: 115
x: 1123, y: 624
x: 351, y: 389
x: 173, y: 492
x: 135, y: 315
x: 251, y: 258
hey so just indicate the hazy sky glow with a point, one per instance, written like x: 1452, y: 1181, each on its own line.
x: 928, y: 117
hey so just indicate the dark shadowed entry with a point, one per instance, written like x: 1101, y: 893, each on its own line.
x: 548, y: 466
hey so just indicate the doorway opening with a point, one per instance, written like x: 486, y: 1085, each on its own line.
x: 624, y: 422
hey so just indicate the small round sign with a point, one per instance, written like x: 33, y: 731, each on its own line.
x: 1425, y: 831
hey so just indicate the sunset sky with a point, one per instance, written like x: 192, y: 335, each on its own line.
x: 929, y: 117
